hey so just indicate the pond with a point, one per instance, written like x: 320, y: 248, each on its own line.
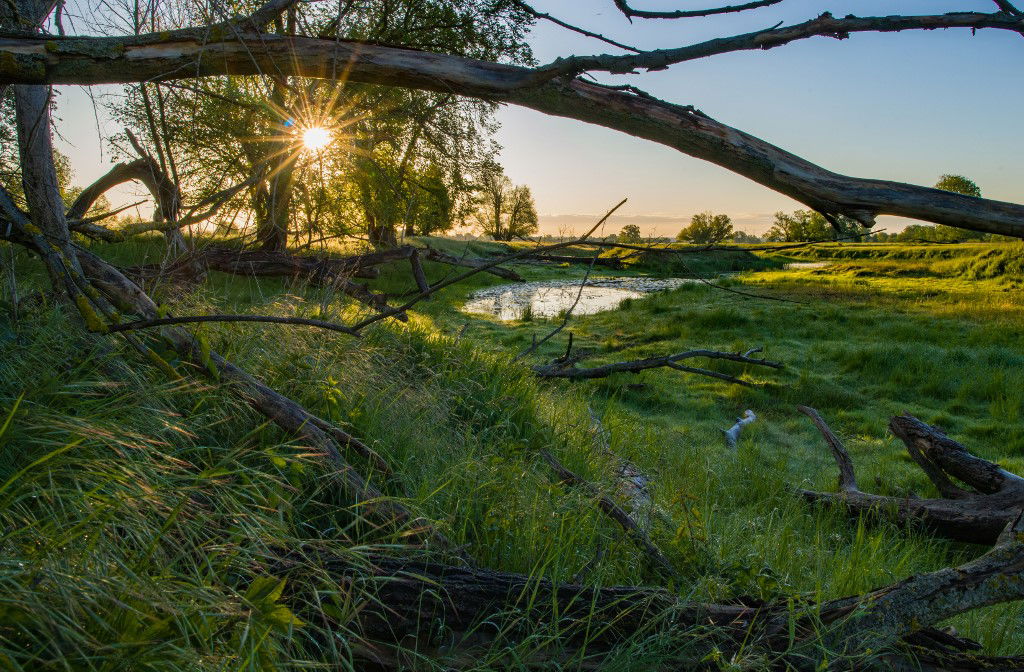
x: 550, y: 298
x: 797, y: 265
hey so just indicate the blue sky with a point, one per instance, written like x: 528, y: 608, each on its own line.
x: 906, y: 106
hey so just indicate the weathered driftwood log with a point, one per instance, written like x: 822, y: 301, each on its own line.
x: 732, y: 435
x: 978, y: 514
x: 452, y: 612
x: 565, y: 367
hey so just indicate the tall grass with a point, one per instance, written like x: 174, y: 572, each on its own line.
x: 144, y: 522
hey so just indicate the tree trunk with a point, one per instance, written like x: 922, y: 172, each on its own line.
x: 455, y: 613
x: 976, y: 516
x: 189, y: 54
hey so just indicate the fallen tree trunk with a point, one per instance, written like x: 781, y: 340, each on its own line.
x: 452, y: 613
x: 316, y: 269
x: 976, y: 516
x: 469, y: 262
x: 192, y: 53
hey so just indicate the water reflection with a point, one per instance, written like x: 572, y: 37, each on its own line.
x: 550, y: 298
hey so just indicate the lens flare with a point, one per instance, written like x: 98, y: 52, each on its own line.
x: 316, y: 138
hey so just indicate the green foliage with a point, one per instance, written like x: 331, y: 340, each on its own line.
x: 807, y: 225
x: 398, y: 159
x: 156, y: 525
x: 504, y: 211
x: 958, y: 184
x: 707, y: 228
x: 630, y: 234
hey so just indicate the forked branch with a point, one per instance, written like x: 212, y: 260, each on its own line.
x: 565, y: 367
x: 978, y: 514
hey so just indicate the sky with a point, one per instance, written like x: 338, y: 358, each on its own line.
x: 905, y: 106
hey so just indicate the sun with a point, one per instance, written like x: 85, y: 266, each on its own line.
x: 316, y: 138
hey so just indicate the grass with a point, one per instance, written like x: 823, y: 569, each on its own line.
x: 141, y: 519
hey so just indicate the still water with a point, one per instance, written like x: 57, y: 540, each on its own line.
x: 549, y: 298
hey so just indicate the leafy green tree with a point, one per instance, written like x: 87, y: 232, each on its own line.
x: 808, y: 225
x: 744, y: 237
x: 960, y: 185
x: 228, y: 130
x: 630, y: 234
x: 504, y: 211
x: 707, y: 228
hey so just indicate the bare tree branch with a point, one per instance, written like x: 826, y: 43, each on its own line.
x: 565, y: 368
x: 824, y: 25
x: 607, y: 505
x: 576, y: 29
x: 631, y: 13
x: 847, y: 479
x: 977, y: 516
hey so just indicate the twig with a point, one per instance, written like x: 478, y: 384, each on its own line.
x: 565, y: 320
x: 479, y: 269
x: 631, y: 13
x: 576, y: 29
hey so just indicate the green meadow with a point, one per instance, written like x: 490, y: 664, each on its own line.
x: 138, y: 513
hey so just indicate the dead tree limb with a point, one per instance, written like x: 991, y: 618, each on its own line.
x: 631, y: 13
x: 732, y: 435
x: 895, y: 623
x: 417, y: 272
x: 190, y: 54
x: 977, y: 515
x: 196, y: 319
x: 431, y: 254
x: 634, y: 531
x: 566, y: 368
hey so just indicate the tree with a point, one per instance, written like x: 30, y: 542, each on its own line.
x: 630, y: 234
x: 806, y: 225
x: 744, y: 237
x: 505, y: 211
x: 245, y: 128
x: 958, y: 184
x: 706, y: 228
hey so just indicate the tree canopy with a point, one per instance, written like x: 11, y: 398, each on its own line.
x: 706, y: 228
